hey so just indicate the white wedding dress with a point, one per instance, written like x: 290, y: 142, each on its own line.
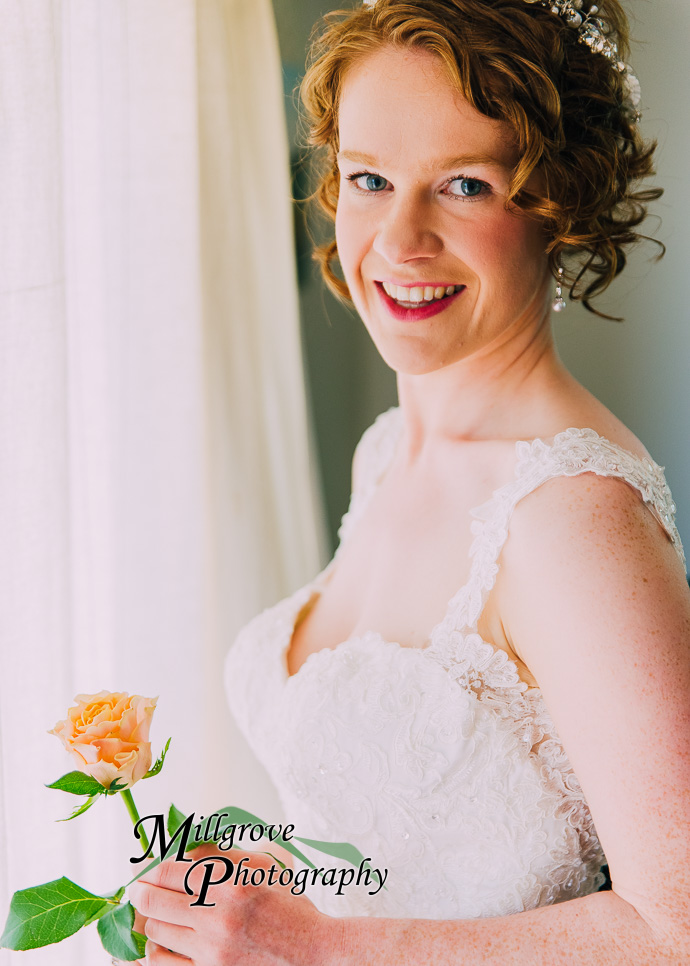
x: 438, y: 763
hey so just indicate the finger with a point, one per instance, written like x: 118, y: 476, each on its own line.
x: 160, y: 956
x: 139, y: 923
x: 236, y: 853
x: 214, y: 870
x: 169, y: 874
x: 178, y: 939
x: 163, y: 904
x: 231, y: 868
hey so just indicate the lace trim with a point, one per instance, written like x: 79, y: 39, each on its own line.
x: 375, y: 451
x: 577, y: 451
x: 574, y: 451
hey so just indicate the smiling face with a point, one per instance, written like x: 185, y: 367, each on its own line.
x: 422, y: 207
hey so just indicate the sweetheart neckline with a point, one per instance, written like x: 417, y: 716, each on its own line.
x: 380, y: 641
x: 378, y: 637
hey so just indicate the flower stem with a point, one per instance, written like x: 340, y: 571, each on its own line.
x: 134, y: 815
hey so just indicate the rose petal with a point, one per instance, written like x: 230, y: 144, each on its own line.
x: 107, y: 735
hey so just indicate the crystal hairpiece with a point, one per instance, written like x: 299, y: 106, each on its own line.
x: 593, y: 32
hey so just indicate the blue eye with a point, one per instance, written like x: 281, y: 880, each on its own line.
x: 374, y: 182
x: 467, y: 187
x: 471, y: 188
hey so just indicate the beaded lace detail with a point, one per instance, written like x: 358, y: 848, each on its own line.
x: 438, y: 762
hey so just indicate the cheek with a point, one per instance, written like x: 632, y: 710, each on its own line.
x: 351, y: 251
x: 353, y: 235
x: 345, y: 236
x: 509, y: 247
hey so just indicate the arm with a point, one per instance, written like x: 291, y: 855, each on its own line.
x: 604, y: 625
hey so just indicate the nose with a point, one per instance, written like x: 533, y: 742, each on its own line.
x: 406, y: 232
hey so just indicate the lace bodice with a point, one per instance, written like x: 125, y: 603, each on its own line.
x: 439, y: 763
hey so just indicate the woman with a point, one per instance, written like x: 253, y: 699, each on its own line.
x: 486, y: 690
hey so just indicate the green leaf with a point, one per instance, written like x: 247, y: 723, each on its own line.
x: 112, y: 898
x: 118, y: 936
x: 340, y: 850
x: 80, y: 809
x: 97, y: 915
x: 175, y: 819
x: 159, y: 762
x: 49, y: 913
x: 77, y: 783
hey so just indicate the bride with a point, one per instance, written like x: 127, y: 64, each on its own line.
x: 486, y: 691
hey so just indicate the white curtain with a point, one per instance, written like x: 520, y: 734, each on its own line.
x: 155, y: 480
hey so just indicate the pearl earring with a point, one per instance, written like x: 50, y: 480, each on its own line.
x: 559, y: 303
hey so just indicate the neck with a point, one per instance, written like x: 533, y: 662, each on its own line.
x: 500, y: 392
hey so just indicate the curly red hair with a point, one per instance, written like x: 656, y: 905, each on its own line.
x: 517, y: 62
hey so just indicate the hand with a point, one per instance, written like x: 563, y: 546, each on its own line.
x: 262, y: 925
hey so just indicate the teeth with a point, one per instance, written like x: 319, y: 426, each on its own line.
x: 418, y: 294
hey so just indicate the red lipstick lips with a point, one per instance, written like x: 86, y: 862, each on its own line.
x: 425, y: 310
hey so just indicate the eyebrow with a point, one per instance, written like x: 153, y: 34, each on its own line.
x: 444, y: 163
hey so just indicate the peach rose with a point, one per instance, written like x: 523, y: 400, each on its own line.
x: 107, y: 735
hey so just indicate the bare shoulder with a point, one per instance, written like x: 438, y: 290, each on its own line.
x: 612, y: 429
x: 588, y: 545
x: 601, y: 520
x: 589, y: 516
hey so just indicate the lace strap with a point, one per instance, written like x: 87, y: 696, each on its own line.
x: 374, y: 454
x: 571, y: 453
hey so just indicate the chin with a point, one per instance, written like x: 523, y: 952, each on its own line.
x: 413, y: 359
